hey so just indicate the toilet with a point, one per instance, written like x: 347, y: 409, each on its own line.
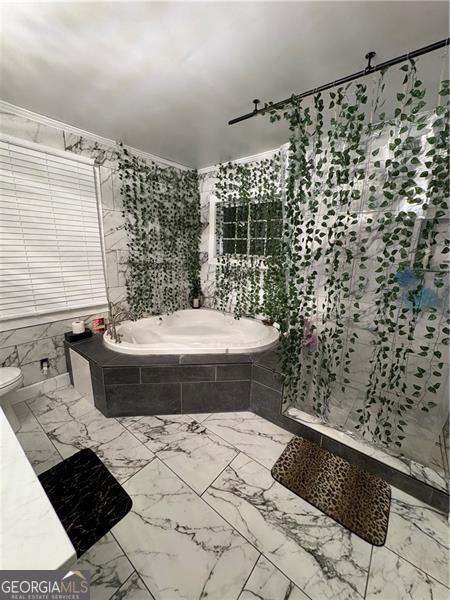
x: 10, y: 380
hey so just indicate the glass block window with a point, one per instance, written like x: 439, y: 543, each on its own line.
x: 249, y: 229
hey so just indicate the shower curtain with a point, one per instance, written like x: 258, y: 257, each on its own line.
x: 365, y: 219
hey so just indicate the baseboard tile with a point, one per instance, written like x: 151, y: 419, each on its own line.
x: 31, y: 391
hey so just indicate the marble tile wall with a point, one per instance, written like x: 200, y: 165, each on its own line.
x: 26, y: 346
x: 207, y: 183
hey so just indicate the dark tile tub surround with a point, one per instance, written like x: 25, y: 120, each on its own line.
x: 128, y: 385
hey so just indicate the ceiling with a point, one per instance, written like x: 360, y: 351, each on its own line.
x: 165, y: 77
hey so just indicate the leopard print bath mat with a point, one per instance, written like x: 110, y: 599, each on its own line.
x: 356, y: 499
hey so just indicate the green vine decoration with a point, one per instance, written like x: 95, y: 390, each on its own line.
x: 249, y: 278
x: 161, y: 208
x: 341, y: 241
x: 364, y: 208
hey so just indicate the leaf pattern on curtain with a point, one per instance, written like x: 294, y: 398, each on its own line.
x: 365, y: 244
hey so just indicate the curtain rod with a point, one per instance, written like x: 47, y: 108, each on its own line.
x: 367, y: 71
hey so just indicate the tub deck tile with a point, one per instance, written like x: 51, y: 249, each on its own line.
x: 143, y: 399
x: 196, y: 359
x: 178, y: 374
x: 211, y: 396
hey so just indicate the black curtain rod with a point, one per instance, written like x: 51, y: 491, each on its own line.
x: 367, y: 71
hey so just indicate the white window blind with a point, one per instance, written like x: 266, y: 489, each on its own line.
x: 50, y: 248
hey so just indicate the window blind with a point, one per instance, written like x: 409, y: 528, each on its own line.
x: 50, y: 248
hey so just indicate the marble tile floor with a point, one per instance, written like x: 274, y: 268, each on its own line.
x: 208, y: 520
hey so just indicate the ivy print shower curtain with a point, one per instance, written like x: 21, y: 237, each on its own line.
x: 366, y: 327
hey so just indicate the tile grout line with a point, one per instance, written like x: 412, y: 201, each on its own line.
x: 132, y: 564
x: 416, y: 567
x: 155, y: 455
x: 212, y: 507
x: 269, y: 388
x: 200, y: 496
x: 232, y: 526
x: 368, y: 573
x: 249, y: 541
x: 215, y: 478
x: 210, y: 432
x: 249, y: 575
x: 238, y: 533
x: 43, y: 430
x: 288, y: 578
x: 77, y: 449
x: 242, y: 451
x: 139, y: 441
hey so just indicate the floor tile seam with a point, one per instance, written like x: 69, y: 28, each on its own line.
x: 213, y: 434
x: 126, y: 580
x: 125, y: 554
x: 158, y: 454
x: 421, y: 569
x: 368, y: 573
x: 143, y: 467
x: 239, y: 449
x: 103, y: 443
x: 250, y: 542
x: 135, y: 568
x: 123, y: 481
x: 249, y: 575
x: 126, y: 426
x: 262, y: 552
x: 176, y: 430
x: 200, y: 496
x: 67, y: 407
x: 278, y: 569
x: 43, y: 431
x: 218, y: 434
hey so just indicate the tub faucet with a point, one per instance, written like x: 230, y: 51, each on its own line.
x: 115, y: 318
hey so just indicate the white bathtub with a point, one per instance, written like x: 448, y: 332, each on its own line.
x: 201, y: 331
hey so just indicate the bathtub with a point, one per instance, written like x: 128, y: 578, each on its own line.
x: 201, y: 331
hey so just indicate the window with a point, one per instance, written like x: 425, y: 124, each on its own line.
x: 252, y: 229
x: 50, y: 248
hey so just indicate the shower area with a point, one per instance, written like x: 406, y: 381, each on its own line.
x: 367, y: 222
x: 358, y: 281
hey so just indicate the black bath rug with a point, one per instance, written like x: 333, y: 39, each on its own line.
x: 88, y: 500
x: 357, y: 500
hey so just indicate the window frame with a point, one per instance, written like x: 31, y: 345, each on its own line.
x: 215, y: 241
